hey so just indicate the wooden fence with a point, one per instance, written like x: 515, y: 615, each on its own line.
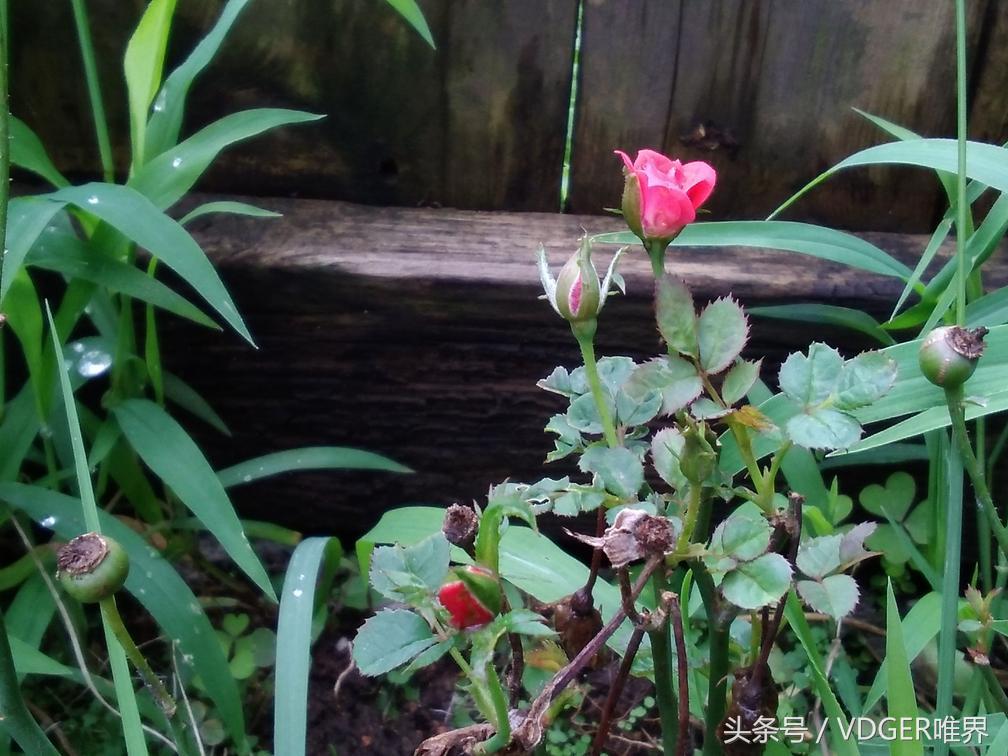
x: 481, y: 122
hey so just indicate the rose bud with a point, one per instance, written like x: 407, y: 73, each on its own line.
x: 472, y: 600
x: 577, y: 295
x: 661, y: 195
x: 91, y: 567
x: 949, y: 355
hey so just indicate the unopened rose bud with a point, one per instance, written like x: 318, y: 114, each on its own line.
x: 472, y: 600
x: 577, y: 295
x: 91, y: 567
x: 460, y: 526
x: 698, y: 458
x: 949, y: 355
x: 661, y: 195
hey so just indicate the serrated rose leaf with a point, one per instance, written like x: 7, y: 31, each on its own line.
x: 621, y: 472
x: 666, y: 446
x: 820, y: 556
x: 810, y: 380
x: 823, y: 429
x: 676, y: 315
x: 739, y: 380
x: 758, y: 583
x: 722, y: 332
x: 836, y: 595
x: 852, y: 546
x: 676, y: 378
x: 390, y: 639
x: 706, y: 409
x: 865, y: 379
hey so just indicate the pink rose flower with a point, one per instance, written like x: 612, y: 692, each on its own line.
x: 662, y: 195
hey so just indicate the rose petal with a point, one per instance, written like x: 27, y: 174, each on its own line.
x: 648, y: 160
x: 665, y: 211
x: 698, y: 181
x: 626, y: 159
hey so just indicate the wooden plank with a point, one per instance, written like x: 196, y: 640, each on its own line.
x: 478, y: 123
x: 417, y: 333
x: 779, y: 79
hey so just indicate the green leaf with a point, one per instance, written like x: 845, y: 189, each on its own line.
x: 227, y: 207
x: 135, y: 217
x: 896, y: 496
x: 835, y: 595
x: 986, y: 163
x: 676, y: 315
x: 621, y: 472
x: 167, y: 177
x: 676, y: 379
x: 18, y: 722
x: 27, y: 217
x: 390, y: 639
x: 865, y: 379
x: 989, y: 310
x: 810, y: 380
x: 804, y: 238
x: 744, y: 535
x: 927, y: 256
x: 666, y: 446
x: 27, y: 151
x: 169, y: 106
x: 306, y: 458
x: 722, y: 332
x: 410, y: 11
x: 900, y: 688
x: 739, y: 380
x: 155, y: 584
x: 28, y: 660
x: 820, y: 556
x: 143, y: 64
x: 835, y: 715
x: 186, y: 397
x: 824, y: 429
x: 422, y: 565
x: 169, y: 452
x: 66, y: 254
x: 920, y: 625
x: 758, y: 583
x: 293, y: 642
x: 832, y: 315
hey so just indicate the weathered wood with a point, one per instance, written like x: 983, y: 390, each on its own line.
x: 779, y: 81
x: 417, y: 333
x: 478, y: 123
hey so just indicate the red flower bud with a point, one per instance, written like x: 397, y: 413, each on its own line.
x: 465, y: 609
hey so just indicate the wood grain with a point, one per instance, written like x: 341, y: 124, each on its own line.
x: 418, y: 333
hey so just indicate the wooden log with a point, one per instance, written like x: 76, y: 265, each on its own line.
x: 417, y: 333
x: 773, y: 84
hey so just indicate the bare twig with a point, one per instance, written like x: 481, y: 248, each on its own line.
x: 616, y: 689
x: 684, y: 745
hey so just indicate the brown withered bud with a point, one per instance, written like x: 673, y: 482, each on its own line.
x: 754, y: 697
x: 576, y: 626
x: 460, y: 526
x: 634, y: 535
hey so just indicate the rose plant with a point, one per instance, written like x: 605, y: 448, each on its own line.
x: 662, y: 445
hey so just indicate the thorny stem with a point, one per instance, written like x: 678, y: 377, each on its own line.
x: 954, y: 397
x: 529, y: 733
x: 615, y: 690
x: 717, y: 691
x: 114, y: 622
x: 661, y: 656
x: 683, y: 745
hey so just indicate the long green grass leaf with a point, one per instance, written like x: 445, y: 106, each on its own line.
x: 308, y: 458
x: 169, y: 105
x: 919, y: 626
x: 28, y: 152
x: 135, y: 217
x: 294, y: 639
x: 17, y: 722
x: 27, y: 218
x: 227, y: 207
x: 143, y: 64
x: 156, y: 585
x: 900, y: 693
x: 186, y: 397
x: 804, y: 238
x: 845, y: 317
x: 167, y: 177
x: 174, y: 457
x: 410, y: 11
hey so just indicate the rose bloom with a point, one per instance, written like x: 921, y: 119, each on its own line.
x: 662, y: 195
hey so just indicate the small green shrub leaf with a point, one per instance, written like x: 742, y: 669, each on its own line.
x: 666, y: 446
x: 621, y: 472
x: 398, y: 572
x: 744, y: 536
x: 823, y: 429
x: 758, y: 583
x: 865, y: 379
x: 722, y: 332
x: 810, y: 380
x: 390, y: 639
x: 820, y: 556
x: 676, y: 315
x: 739, y: 379
x: 835, y: 595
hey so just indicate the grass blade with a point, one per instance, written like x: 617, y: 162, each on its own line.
x: 135, y: 217
x: 28, y: 152
x: 845, y: 317
x: 900, y: 689
x: 294, y: 639
x: 143, y: 64
x: 308, y: 458
x: 225, y: 206
x: 410, y: 11
x: 186, y: 397
x: 17, y: 721
x: 27, y: 218
x: 167, y: 450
